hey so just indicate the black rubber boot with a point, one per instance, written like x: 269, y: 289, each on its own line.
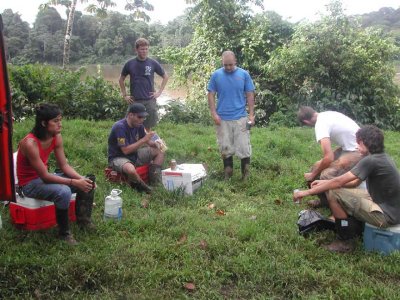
x: 139, y: 184
x: 154, y: 174
x: 63, y: 226
x: 84, y: 206
x: 346, y: 230
x: 228, y: 167
x: 245, y: 167
x: 349, y: 228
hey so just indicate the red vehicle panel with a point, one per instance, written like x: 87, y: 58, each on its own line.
x: 7, y: 187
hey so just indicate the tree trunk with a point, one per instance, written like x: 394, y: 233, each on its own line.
x: 68, y: 34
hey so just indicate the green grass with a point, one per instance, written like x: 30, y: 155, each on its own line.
x: 252, y: 252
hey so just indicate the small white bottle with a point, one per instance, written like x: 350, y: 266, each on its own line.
x: 297, y: 201
x: 113, y: 206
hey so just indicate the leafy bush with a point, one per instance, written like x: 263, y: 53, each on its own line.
x: 336, y: 64
x: 90, y: 98
x: 178, y: 112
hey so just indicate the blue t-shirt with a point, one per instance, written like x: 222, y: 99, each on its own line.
x: 122, y: 135
x: 141, y: 76
x: 231, y: 88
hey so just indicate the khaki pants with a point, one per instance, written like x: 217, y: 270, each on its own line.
x: 234, y: 138
x: 359, y: 204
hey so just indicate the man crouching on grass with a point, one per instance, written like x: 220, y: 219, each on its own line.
x: 130, y: 146
x: 379, y: 205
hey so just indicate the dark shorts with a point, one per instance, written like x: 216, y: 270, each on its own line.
x: 152, y: 109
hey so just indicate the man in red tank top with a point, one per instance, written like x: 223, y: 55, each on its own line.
x: 34, y: 178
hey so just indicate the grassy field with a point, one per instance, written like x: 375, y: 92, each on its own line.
x: 250, y: 251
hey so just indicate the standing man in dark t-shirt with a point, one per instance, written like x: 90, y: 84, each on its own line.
x: 141, y: 71
x: 379, y: 205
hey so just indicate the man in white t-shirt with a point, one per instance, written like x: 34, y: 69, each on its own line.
x: 331, y: 127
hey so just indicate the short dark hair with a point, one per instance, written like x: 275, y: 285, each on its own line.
x: 44, y: 113
x: 141, y: 42
x: 305, y: 113
x: 372, y: 138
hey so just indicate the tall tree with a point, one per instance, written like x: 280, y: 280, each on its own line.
x: 46, y: 36
x: 16, y: 33
x: 139, y: 8
x: 99, y: 8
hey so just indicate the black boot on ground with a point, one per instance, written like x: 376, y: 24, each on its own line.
x: 63, y: 227
x: 83, y: 210
x: 245, y: 168
x: 228, y: 167
x: 347, y: 230
x: 154, y: 174
x: 139, y: 185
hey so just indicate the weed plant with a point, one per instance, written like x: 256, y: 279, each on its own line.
x: 231, y: 239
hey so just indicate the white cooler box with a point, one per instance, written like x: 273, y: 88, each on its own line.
x: 186, y: 176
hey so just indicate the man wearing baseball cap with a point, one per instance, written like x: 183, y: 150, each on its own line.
x: 130, y: 146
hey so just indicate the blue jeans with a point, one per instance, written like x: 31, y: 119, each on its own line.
x: 60, y: 194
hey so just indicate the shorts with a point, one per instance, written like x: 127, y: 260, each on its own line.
x: 359, y: 204
x: 144, y: 156
x: 234, y: 138
x: 343, y: 162
x: 152, y: 109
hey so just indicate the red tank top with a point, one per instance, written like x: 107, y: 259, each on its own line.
x: 25, y: 172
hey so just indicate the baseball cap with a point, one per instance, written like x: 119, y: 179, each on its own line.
x: 139, y: 109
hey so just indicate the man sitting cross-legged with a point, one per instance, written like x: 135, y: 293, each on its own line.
x: 379, y: 205
x: 130, y: 146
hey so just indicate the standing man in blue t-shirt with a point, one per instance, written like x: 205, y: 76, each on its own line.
x: 141, y: 71
x: 234, y: 88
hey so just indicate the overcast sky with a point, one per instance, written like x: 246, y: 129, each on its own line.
x: 167, y: 10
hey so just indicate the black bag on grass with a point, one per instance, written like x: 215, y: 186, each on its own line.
x: 311, y: 220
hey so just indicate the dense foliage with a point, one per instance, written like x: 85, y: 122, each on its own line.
x: 387, y: 19
x: 90, y: 97
x: 335, y: 64
x: 222, y: 25
x: 95, y: 39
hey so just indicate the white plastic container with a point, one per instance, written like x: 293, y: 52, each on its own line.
x: 113, y: 206
x: 189, y: 177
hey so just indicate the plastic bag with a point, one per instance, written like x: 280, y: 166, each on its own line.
x: 311, y: 221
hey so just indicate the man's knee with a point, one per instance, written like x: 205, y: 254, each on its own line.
x: 128, y: 169
x: 62, y: 197
x: 156, y: 152
x: 331, y: 172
